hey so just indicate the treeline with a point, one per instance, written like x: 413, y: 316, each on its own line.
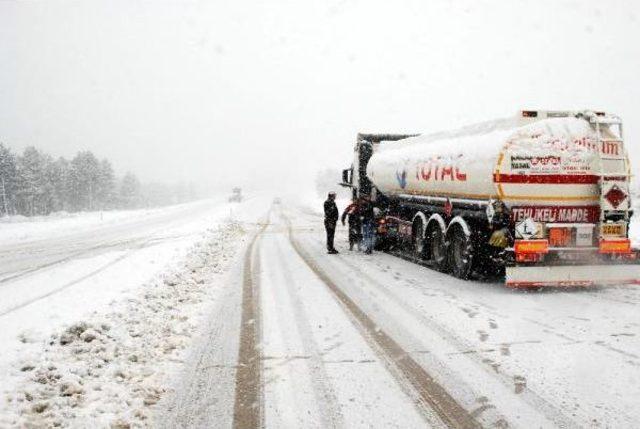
x: 34, y: 183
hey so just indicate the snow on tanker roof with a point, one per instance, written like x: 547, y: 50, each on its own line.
x: 468, y: 130
x: 488, y: 138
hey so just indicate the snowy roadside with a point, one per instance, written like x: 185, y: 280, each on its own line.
x: 17, y: 229
x: 109, y: 369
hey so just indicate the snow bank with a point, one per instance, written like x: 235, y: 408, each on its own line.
x: 109, y: 370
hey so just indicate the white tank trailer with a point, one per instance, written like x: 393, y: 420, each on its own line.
x: 543, y: 197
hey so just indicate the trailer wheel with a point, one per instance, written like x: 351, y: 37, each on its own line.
x: 437, y: 249
x: 460, y: 253
x: 419, y: 243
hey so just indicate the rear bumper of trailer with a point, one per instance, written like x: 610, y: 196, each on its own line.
x: 572, y: 275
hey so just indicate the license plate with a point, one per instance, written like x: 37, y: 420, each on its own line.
x: 612, y: 229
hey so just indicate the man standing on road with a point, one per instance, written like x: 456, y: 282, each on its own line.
x: 331, y: 215
x: 368, y: 225
x: 352, y: 214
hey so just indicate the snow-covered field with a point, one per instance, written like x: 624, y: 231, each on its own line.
x: 94, y: 307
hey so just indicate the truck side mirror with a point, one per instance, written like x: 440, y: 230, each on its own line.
x: 346, y: 176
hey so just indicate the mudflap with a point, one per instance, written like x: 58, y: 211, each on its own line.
x: 571, y: 276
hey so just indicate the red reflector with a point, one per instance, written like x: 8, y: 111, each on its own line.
x: 615, y: 246
x: 531, y: 246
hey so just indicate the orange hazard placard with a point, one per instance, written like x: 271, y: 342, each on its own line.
x: 615, y: 246
x: 531, y: 246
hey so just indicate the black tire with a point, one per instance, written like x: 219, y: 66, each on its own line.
x: 419, y: 242
x: 460, y: 253
x: 437, y: 249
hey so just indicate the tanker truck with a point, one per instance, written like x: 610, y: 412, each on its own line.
x: 542, y: 198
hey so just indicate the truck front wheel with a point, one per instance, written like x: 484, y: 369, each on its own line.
x: 460, y: 253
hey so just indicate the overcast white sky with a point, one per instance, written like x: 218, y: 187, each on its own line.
x: 251, y: 93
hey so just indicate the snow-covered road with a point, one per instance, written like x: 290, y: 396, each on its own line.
x: 552, y: 358
x: 24, y: 251
x: 326, y: 329
x: 293, y: 337
x: 303, y: 361
x: 321, y: 365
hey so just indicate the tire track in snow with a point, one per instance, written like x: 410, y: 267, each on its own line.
x: 324, y: 394
x: 430, y: 395
x: 463, y: 345
x: 74, y: 282
x: 70, y: 257
x: 248, y: 405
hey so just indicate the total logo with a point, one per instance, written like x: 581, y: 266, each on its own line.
x: 439, y: 170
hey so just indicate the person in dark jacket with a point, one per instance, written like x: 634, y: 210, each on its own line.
x: 499, y: 221
x: 331, y: 215
x: 367, y: 217
x: 353, y: 215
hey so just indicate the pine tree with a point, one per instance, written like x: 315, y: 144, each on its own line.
x: 8, y: 180
x: 106, y: 185
x: 46, y: 202
x: 130, y: 196
x: 58, y: 174
x: 31, y: 179
x: 84, y: 181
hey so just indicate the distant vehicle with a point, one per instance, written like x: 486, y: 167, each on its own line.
x: 556, y: 183
x: 236, y: 195
x: 277, y: 201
